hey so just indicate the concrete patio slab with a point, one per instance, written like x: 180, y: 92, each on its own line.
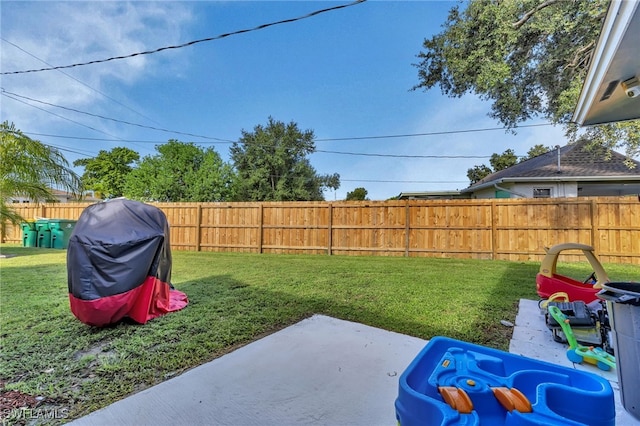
x: 320, y: 371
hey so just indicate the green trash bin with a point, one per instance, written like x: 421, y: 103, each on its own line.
x: 44, y: 233
x: 61, y: 230
x: 29, y: 234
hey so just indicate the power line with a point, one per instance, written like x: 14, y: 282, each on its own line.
x: 59, y: 116
x: 103, y: 139
x: 5, y: 93
x: 218, y: 37
x: 61, y: 148
x: 65, y: 118
x: 79, y: 81
x: 403, y: 181
x: 364, y: 154
x: 341, y: 180
x: 228, y: 141
x: 406, y: 135
x: 446, y: 132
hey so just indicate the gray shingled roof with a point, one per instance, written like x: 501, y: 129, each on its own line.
x: 575, y: 161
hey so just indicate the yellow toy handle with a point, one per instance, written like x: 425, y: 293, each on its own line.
x: 555, y: 297
x: 560, y: 296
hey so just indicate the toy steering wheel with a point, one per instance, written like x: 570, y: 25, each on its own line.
x: 591, y: 278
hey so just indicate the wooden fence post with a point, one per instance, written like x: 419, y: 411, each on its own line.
x: 330, y: 231
x: 407, y: 228
x: 260, y: 227
x: 198, y: 227
x: 494, y: 244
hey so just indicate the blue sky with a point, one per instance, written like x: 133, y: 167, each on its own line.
x: 343, y: 74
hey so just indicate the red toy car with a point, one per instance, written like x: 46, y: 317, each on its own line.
x: 548, y: 281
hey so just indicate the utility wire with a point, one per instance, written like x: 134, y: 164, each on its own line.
x: 62, y: 148
x: 341, y: 180
x: 103, y: 139
x: 218, y: 37
x: 79, y: 81
x: 59, y: 116
x: 116, y: 139
x: 5, y: 93
x: 402, y: 181
x: 228, y: 141
x: 401, y: 155
x: 363, y: 154
x: 446, y: 132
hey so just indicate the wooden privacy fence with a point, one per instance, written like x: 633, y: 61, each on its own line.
x: 514, y: 229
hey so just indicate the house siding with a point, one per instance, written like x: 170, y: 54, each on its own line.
x: 558, y: 189
x: 525, y: 190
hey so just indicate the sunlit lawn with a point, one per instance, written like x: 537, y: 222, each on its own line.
x: 234, y: 299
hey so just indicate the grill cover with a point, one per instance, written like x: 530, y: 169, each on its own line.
x: 119, y: 264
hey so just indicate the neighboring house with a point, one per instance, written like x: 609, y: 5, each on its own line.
x: 568, y: 171
x: 61, y: 197
x: 432, y: 195
x: 611, y: 93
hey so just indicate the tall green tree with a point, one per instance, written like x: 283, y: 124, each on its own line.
x: 105, y: 173
x: 536, y: 150
x: 31, y: 169
x: 498, y: 162
x: 528, y: 58
x: 181, y: 172
x: 503, y: 161
x: 214, y: 180
x: 358, y: 194
x: 477, y: 173
x: 272, y: 165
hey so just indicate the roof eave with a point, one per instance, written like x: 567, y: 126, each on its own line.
x: 492, y: 183
x: 619, y: 17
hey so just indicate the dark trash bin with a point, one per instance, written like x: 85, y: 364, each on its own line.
x: 44, y: 233
x: 623, y: 305
x: 29, y: 234
x: 61, y: 230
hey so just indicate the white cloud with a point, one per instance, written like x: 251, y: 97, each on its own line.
x: 63, y: 33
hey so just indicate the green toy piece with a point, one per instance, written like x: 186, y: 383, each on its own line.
x: 578, y: 353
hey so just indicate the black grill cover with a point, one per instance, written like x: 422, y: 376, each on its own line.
x: 119, y: 264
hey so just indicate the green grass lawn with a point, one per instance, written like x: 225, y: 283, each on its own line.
x: 234, y: 299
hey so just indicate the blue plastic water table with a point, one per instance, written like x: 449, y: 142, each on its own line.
x: 452, y: 382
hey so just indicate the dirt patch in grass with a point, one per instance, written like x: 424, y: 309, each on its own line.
x: 13, y: 400
x: 18, y: 408
x: 13, y: 403
x: 98, y: 350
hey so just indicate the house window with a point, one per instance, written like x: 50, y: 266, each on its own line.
x: 541, y: 192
